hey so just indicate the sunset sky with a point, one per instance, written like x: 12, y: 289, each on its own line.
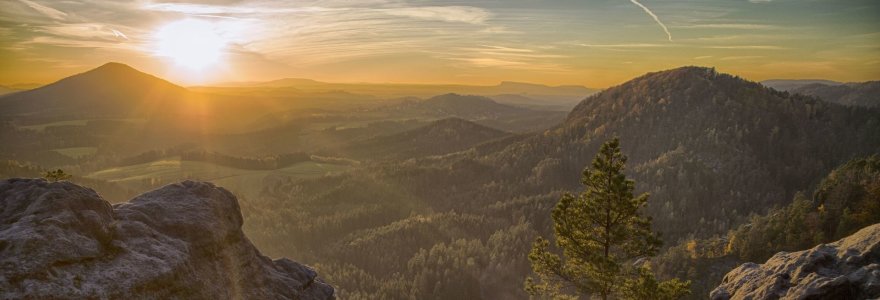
x: 595, y: 43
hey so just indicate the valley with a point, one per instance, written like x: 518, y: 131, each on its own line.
x: 400, y: 194
x: 440, y: 150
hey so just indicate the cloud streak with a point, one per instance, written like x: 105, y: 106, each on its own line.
x: 48, y: 11
x: 464, y: 14
x: 656, y: 19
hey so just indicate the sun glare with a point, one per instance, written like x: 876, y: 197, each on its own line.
x: 193, y: 44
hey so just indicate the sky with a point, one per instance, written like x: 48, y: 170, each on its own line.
x: 595, y: 43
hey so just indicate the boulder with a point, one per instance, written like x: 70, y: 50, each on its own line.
x: 846, y: 269
x: 61, y: 240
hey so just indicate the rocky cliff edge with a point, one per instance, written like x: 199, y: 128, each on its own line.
x: 61, y: 240
x: 846, y: 269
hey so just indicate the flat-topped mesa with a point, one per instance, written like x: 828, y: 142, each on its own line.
x: 846, y: 269
x: 61, y: 240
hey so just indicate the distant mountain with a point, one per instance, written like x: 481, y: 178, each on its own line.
x: 466, y: 106
x: 528, y: 102
x: 439, y: 137
x: 541, y: 94
x: 112, y: 89
x: 866, y: 94
x: 7, y: 90
x: 479, y: 109
x: 790, y: 84
x: 711, y: 148
x: 284, y: 82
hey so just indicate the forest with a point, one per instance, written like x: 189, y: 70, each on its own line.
x: 443, y: 197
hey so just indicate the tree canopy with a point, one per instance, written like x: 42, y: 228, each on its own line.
x: 598, y: 232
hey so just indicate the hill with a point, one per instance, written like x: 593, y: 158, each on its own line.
x: 439, y: 137
x: 7, y: 90
x: 866, y: 94
x: 790, y: 84
x: 844, y: 202
x: 480, y: 109
x: 111, y: 90
x: 711, y: 148
x: 466, y: 106
x: 541, y: 94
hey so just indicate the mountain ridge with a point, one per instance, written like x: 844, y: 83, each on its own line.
x: 864, y: 94
x: 698, y: 121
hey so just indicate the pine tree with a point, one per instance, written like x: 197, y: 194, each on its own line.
x: 598, y: 231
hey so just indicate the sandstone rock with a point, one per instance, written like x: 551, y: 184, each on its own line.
x: 846, y: 269
x: 60, y: 240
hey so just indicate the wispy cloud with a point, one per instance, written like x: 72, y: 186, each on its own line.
x: 464, y: 14
x: 117, y: 33
x: 209, y: 9
x: 656, y: 19
x: 510, y: 58
x: 745, y: 57
x: 45, y: 10
x: 627, y: 47
x: 729, y: 26
x: 632, y: 45
x: 748, y: 47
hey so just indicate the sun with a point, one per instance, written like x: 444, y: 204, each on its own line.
x: 193, y: 44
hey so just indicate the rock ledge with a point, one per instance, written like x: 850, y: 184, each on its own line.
x: 61, y: 240
x: 846, y: 269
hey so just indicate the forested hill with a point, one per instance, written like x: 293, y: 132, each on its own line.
x: 865, y: 94
x: 439, y: 137
x: 480, y: 109
x: 710, y: 147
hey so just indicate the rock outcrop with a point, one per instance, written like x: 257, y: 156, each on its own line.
x: 61, y: 240
x: 846, y: 269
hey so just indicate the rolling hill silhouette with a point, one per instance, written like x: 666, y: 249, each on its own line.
x: 111, y: 90
x: 865, y: 94
x: 439, y: 137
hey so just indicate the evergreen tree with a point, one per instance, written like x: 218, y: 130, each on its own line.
x: 598, y: 231
x: 645, y: 286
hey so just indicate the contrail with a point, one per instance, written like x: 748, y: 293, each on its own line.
x: 668, y: 35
